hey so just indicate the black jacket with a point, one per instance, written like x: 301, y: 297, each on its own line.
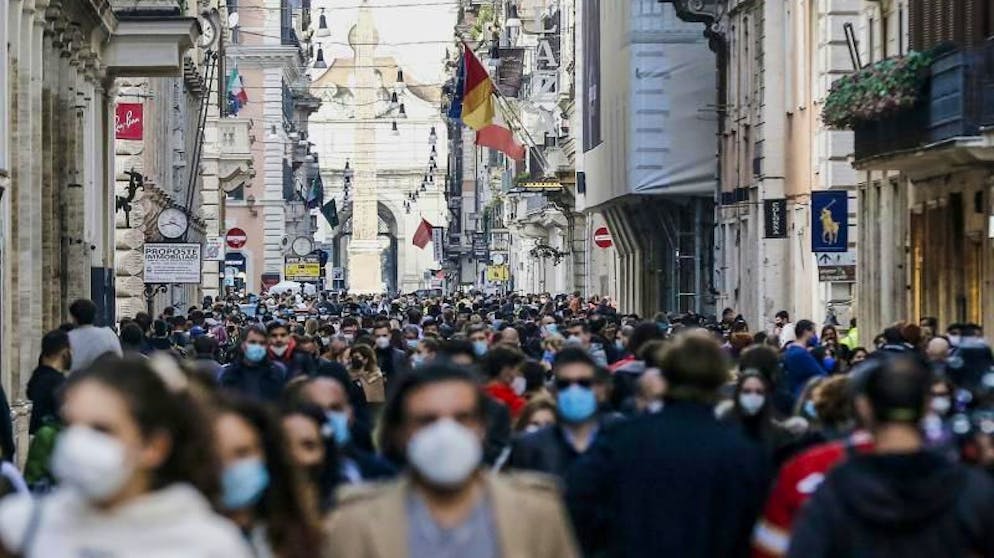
x: 6, y: 429
x: 498, y: 434
x: 901, y: 506
x: 297, y: 363
x: 42, y: 389
x: 546, y: 451
x: 677, y: 483
x: 392, y: 362
x: 263, y: 381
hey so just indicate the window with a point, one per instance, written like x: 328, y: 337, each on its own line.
x: 236, y: 194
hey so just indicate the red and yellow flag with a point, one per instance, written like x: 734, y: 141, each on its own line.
x: 477, y: 103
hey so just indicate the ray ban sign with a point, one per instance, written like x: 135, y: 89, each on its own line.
x: 129, y: 123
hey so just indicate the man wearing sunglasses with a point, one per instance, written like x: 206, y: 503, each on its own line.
x: 554, y: 448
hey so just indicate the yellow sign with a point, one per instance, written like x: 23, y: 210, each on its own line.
x: 299, y: 269
x: 498, y: 273
x: 540, y: 185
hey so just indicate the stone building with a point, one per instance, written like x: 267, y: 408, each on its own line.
x: 57, y: 166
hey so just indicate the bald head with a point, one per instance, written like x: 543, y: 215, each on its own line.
x: 937, y: 349
x: 509, y: 336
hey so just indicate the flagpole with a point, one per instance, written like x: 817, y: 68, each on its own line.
x: 542, y: 161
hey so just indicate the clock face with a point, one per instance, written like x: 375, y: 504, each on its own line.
x: 209, y: 31
x: 172, y: 223
x: 302, y: 246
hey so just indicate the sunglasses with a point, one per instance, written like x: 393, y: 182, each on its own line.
x: 562, y: 383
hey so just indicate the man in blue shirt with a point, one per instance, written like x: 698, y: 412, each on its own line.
x: 798, y: 364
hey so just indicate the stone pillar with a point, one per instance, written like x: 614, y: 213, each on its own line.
x: 365, y: 272
x: 129, y: 230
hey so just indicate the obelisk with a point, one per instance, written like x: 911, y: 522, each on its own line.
x: 364, y: 248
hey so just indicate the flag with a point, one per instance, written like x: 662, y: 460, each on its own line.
x: 499, y: 136
x: 330, y: 212
x: 237, y: 97
x: 455, y: 109
x: 422, y: 236
x: 316, y: 194
x: 477, y: 101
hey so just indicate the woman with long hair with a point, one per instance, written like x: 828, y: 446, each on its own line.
x: 137, y: 472
x: 311, y: 436
x: 261, y: 490
x: 364, y: 371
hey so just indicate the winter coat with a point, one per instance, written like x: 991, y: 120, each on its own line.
x: 174, y: 521
x: 42, y: 388
x: 677, y: 483
x: 263, y: 381
x: 898, y: 506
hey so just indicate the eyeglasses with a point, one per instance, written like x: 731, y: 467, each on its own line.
x: 562, y: 383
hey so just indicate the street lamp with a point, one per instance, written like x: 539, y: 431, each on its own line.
x: 319, y: 62
x: 323, y: 30
x: 393, y: 128
x: 432, y: 137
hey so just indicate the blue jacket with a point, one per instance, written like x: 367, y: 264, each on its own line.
x: 677, y: 483
x: 799, y: 367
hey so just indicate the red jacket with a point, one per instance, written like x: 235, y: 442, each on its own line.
x: 798, y: 480
x: 503, y: 393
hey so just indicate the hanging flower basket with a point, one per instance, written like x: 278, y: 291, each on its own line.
x: 876, y: 92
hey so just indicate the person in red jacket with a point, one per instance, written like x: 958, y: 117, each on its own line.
x: 797, y: 481
x: 505, y: 381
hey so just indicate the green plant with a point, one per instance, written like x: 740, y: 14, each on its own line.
x: 877, y: 91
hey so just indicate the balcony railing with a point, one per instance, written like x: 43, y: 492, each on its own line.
x: 958, y: 102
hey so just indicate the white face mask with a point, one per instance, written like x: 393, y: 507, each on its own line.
x: 751, y: 403
x: 92, y: 462
x: 326, y: 341
x: 941, y: 405
x: 278, y: 351
x: 654, y: 406
x: 955, y: 340
x: 519, y: 384
x: 445, y: 453
x: 382, y: 342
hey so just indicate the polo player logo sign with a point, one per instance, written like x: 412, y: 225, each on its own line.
x: 830, y: 221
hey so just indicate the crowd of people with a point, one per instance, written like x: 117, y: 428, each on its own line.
x: 481, y: 426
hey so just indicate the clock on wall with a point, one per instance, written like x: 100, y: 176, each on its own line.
x: 302, y: 246
x: 172, y: 223
x: 208, y: 31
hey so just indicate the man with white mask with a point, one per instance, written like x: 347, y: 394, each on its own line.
x: 446, y: 504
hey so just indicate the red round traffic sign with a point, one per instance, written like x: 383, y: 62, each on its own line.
x: 235, y: 238
x: 602, y: 237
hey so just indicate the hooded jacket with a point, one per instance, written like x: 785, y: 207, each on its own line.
x: 900, y: 506
x: 173, y: 521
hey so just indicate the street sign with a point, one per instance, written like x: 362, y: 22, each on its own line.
x: 836, y: 267
x: 236, y: 238
x: 498, y: 273
x: 337, y: 274
x: 172, y: 263
x: 602, y: 238
x: 830, y: 221
x: 305, y: 269
x: 214, y: 249
x: 775, y: 218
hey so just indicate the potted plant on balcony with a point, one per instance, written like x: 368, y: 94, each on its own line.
x: 876, y: 92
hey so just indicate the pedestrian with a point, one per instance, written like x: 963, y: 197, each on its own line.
x: 900, y: 500
x: 283, y: 349
x: 798, y: 363
x: 260, y: 488
x: 752, y: 412
x: 7, y: 446
x: 252, y: 373
x: 554, y: 449
x: 505, y: 381
x: 88, y: 341
x: 445, y: 504
x: 676, y: 483
x: 305, y: 428
x: 392, y: 361
x: 137, y: 475
x: 132, y: 339
x: 365, y: 372
x: 205, y: 358
x: 538, y: 413
x: 46, y: 380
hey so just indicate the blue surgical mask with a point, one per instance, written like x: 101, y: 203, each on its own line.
x: 548, y: 356
x: 412, y: 344
x: 338, y: 427
x: 480, y: 348
x: 829, y: 363
x: 417, y: 359
x: 255, y: 353
x: 576, y: 403
x: 243, y: 483
x: 809, y: 409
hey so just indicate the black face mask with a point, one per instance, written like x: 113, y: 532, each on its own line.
x: 357, y: 363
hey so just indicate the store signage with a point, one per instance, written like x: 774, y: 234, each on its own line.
x: 498, y: 273
x: 545, y: 77
x: 214, y: 249
x: 775, y: 218
x: 539, y: 186
x: 129, y: 122
x: 236, y: 238
x: 438, y: 243
x: 830, y: 221
x: 602, y: 238
x: 172, y: 263
x: 836, y: 267
x: 510, y: 70
x: 304, y: 269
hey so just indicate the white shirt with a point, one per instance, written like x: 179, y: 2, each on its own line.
x: 176, y: 521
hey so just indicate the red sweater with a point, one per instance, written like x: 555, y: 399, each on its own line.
x: 503, y: 393
x: 797, y: 481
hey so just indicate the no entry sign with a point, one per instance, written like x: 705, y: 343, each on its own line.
x: 235, y: 238
x: 602, y: 238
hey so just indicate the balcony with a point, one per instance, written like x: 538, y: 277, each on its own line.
x: 228, y: 138
x: 952, y: 125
